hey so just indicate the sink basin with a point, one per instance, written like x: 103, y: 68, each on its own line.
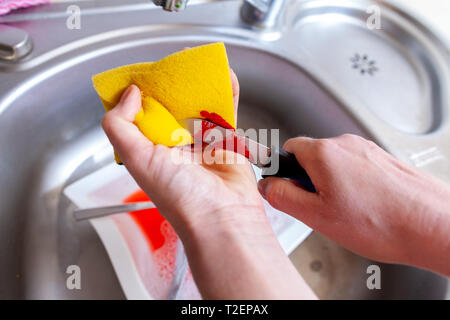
x: 50, y: 132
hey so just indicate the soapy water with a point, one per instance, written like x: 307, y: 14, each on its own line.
x: 153, y: 244
x: 155, y: 257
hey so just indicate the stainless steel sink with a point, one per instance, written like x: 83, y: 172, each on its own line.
x: 299, y: 77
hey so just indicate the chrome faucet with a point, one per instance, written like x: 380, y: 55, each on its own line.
x: 171, y: 5
x: 260, y: 13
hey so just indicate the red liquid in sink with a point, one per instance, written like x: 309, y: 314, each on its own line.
x: 149, y: 220
x: 155, y: 263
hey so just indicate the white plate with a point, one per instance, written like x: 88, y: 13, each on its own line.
x: 125, y: 243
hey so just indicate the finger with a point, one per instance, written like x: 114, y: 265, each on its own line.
x: 129, y: 105
x: 236, y: 90
x: 223, y: 160
x: 287, y: 196
x: 233, y: 168
x: 128, y: 141
x: 301, y: 147
x: 315, y: 156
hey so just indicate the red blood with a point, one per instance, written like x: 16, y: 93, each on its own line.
x: 148, y: 220
x: 238, y: 144
x: 217, y: 119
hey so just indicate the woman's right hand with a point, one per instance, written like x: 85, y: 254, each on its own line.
x: 368, y: 201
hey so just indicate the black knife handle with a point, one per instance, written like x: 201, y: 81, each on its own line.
x: 290, y: 168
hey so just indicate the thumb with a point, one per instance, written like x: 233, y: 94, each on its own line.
x: 132, y: 146
x: 285, y: 195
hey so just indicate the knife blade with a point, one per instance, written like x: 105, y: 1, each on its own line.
x: 274, y: 161
x: 208, y: 132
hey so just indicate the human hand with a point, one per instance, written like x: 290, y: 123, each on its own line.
x: 368, y: 201
x: 214, y: 208
x: 181, y: 191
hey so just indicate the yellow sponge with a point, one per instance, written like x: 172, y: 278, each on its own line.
x: 192, y: 83
x: 158, y: 125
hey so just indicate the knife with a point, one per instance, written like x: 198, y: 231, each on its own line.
x: 274, y: 161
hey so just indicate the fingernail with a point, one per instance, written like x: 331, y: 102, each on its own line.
x: 262, y: 187
x: 126, y: 94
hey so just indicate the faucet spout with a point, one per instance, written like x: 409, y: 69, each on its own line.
x: 171, y: 5
x: 262, y: 13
